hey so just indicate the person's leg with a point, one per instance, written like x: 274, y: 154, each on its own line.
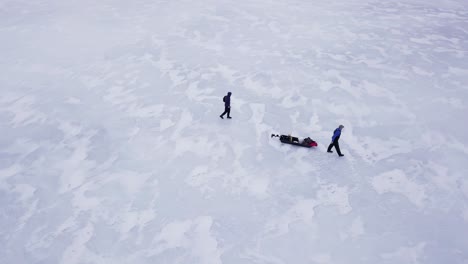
x: 337, y: 147
x: 225, y: 112
x: 228, y: 112
x: 330, y: 147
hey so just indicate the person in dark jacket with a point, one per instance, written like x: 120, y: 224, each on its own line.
x: 334, y: 143
x: 227, y: 106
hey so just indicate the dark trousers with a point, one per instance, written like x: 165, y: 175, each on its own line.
x: 336, y: 145
x: 227, y: 110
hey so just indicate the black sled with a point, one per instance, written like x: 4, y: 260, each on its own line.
x: 306, y: 143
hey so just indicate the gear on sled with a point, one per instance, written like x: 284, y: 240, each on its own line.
x: 288, y: 139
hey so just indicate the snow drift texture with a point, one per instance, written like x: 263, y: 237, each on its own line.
x: 112, y: 151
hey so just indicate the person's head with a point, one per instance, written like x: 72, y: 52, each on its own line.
x: 341, y: 127
x: 229, y: 93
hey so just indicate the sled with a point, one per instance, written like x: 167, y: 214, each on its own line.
x: 306, y: 142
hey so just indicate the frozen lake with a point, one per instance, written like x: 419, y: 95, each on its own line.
x: 112, y: 151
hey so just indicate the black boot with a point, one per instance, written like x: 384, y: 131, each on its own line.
x: 329, y: 148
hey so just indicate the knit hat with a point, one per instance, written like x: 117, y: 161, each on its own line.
x: 341, y: 126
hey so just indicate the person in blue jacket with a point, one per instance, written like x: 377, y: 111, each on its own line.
x: 227, y: 106
x: 334, y: 143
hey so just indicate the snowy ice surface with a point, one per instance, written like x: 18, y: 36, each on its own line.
x: 112, y: 151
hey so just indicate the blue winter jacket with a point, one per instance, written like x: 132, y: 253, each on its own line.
x: 336, y: 134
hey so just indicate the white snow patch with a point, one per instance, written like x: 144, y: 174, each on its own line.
x: 259, y: 187
x: 196, y: 235
x: 76, y: 251
x: 421, y: 72
x: 396, y: 181
x: 9, y: 172
x: 333, y: 195
x: 165, y: 124
x: 410, y: 255
x: 357, y: 228
x: 458, y: 71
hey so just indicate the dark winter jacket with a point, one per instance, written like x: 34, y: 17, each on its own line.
x: 227, y: 100
x: 336, y: 134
